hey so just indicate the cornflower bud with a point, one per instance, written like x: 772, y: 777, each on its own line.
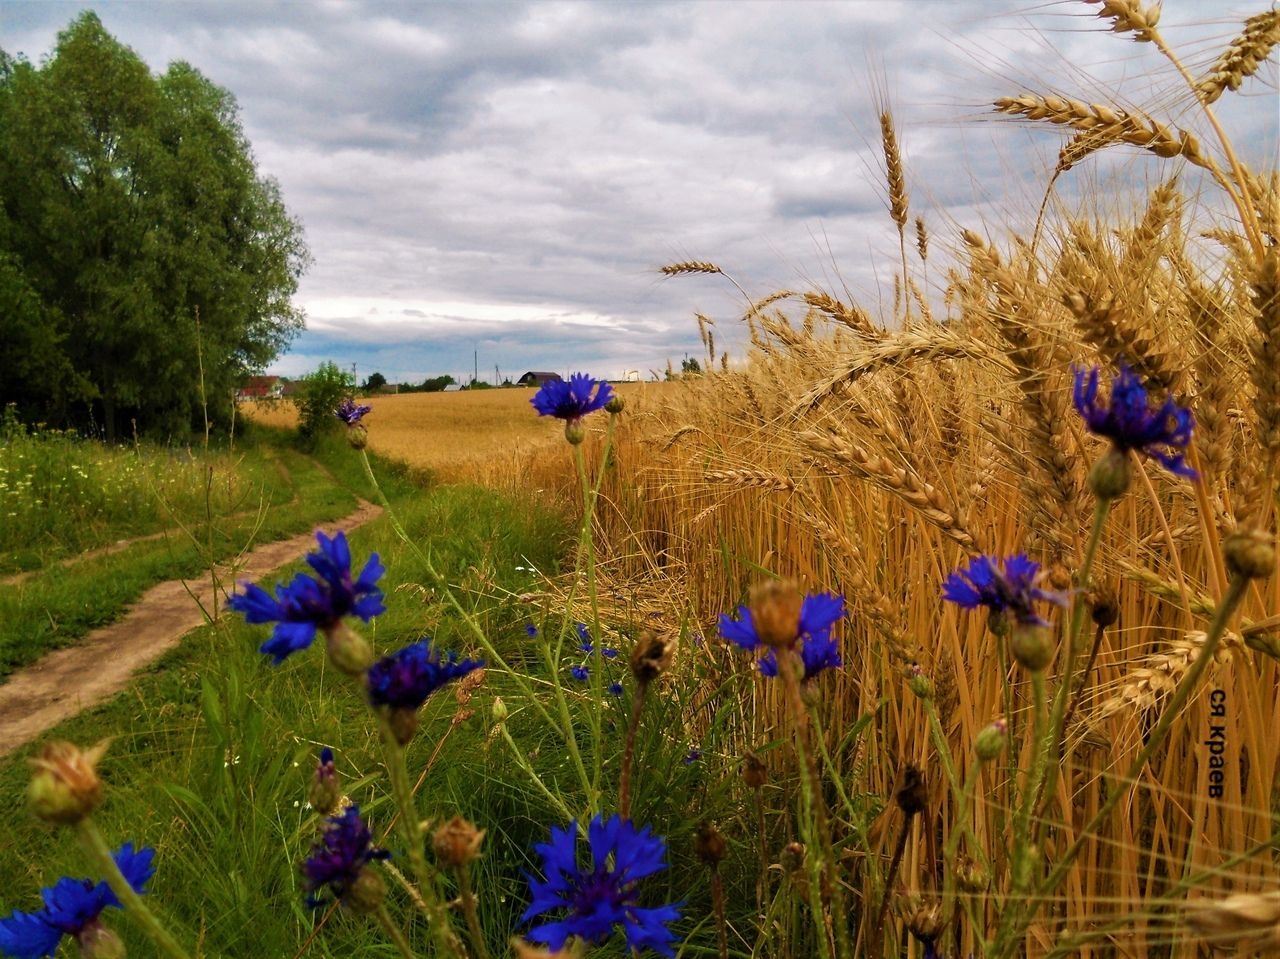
x: 357, y: 437
x: 1250, y: 553
x: 919, y: 683
x: 325, y: 791
x: 1111, y: 474
x: 575, y: 431
x: 971, y: 877
x: 792, y: 860
x: 924, y: 921
x: 615, y: 405
x: 457, y: 842
x: 912, y: 796
x: 366, y: 893
x: 349, y: 652
x: 1103, y: 606
x: 65, y: 787
x: 96, y: 941
x: 709, y: 844
x: 1031, y: 645
x: 991, y: 740
x: 651, y: 657
x: 498, y: 711
x: 754, y: 772
x: 775, y: 612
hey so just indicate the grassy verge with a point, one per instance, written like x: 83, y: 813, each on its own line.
x: 267, y: 492
x: 213, y: 746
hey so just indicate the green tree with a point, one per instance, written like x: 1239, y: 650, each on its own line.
x: 376, y: 381
x: 162, y: 263
x: 319, y: 397
x: 690, y: 367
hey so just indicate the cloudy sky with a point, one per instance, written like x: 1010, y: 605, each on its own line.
x: 497, y: 184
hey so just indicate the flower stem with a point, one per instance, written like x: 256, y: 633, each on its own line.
x: 411, y: 835
x: 469, y: 910
x: 1044, y: 771
x: 394, y: 932
x: 629, y: 751
x: 1016, y: 918
x: 822, y: 858
x: 93, y: 843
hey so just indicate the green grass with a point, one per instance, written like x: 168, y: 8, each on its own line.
x: 213, y: 747
x: 267, y: 491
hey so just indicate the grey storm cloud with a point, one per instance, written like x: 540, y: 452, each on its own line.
x: 496, y: 184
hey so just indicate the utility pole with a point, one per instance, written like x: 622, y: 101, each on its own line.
x: 475, y: 374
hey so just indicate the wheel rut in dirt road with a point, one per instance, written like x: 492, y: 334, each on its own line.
x: 67, y: 681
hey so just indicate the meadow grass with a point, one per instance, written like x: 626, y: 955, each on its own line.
x: 229, y: 502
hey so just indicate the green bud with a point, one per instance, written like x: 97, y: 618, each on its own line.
x: 1031, y: 645
x: 96, y: 941
x: 919, y: 683
x: 348, y: 650
x: 616, y: 404
x: 366, y: 894
x: 575, y: 432
x: 499, y: 710
x: 64, y: 787
x: 358, y: 437
x: 404, y: 723
x: 1250, y: 553
x: 1110, y: 476
x: 991, y: 740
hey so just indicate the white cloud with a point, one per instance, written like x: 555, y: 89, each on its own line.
x: 508, y: 177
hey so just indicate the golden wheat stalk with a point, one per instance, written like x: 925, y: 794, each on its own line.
x: 751, y: 478
x: 1124, y: 126
x: 689, y: 266
x: 903, y: 483
x: 897, y: 179
x: 851, y: 316
x: 1129, y: 16
x: 937, y: 341
x: 1242, y: 57
x: 1147, y: 685
x: 1245, y: 920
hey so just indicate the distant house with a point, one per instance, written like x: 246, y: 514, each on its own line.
x: 537, y: 378
x: 453, y: 388
x: 260, y: 388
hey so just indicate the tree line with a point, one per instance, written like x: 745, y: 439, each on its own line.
x: 145, y: 265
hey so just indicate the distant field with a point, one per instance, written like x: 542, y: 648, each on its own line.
x: 483, y: 435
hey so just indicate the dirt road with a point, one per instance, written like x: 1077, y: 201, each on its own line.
x: 101, y: 664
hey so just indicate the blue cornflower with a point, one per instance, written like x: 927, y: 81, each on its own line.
x: 1011, y: 589
x: 608, y: 652
x: 615, y: 689
x: 604, y: 895
x: 71, y: 907
x: 692, y: 756
x: 818, y: 612
x: 531, y: 630
x: 571, y: 399
x: 1129, y: 421
x: 308, y: 604
x: 351, y: 414
x: 408, y: 676
x: 580, y: 673
x: 338, y: 861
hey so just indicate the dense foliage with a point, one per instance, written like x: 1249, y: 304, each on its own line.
x: 144, y: 262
